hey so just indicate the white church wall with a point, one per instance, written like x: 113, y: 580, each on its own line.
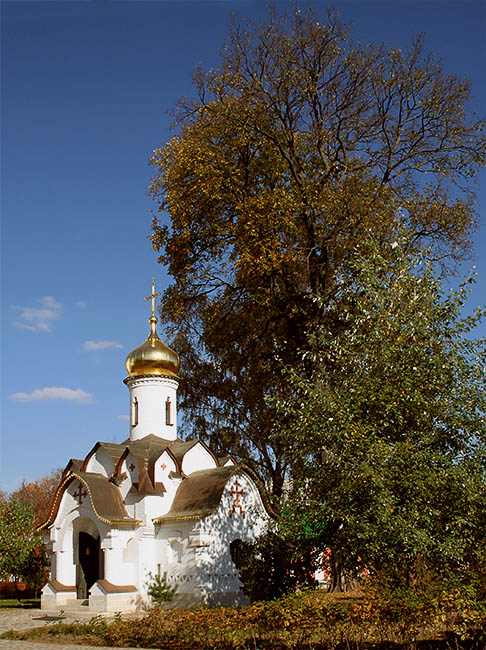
x: 239, y: 516
x: 198, y: 457
x: 154, y: 506
x: 178, y: 557
x: 130, y: 468
x: 153, y: 407
x: 117, y: 569
x: 134, y: 504
x: 162, y: 468
x: 149, y: 550
x: 195, y: 554
x: 125, y: 487
x: 130, y: 552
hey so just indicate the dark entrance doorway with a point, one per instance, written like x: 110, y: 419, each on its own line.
x: 89, y: 563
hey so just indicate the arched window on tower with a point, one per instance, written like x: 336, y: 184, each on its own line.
x: 168, y: 414
x: 134, y: 412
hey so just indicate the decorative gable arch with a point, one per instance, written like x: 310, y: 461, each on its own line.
x: 166, y: 464
x: 198, y: 457
x: 103, y: 495
x: 102, y: 459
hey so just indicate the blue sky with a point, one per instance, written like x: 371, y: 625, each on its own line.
x: 86, y: 87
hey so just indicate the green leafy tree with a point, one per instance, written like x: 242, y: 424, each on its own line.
x: 18, y: 540
x: 388, y: 436
x: 295, y: 148
x: 36, y: 569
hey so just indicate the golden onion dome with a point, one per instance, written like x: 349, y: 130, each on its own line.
x: 152, y: 357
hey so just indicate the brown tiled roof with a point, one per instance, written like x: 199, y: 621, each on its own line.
x: 146, y: 451
x: 222, y: 460
x: 180, y: 448
x: 105, y: 498
x: 115, y: 589
x: 73, y: 465
x: 112, y: 449
x: 58, y: 586
x: 199, y: 494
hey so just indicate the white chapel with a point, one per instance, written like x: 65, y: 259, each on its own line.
x: 151, y: 504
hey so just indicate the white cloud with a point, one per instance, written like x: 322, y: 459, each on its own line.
x: 54, y: 393
x: 39, y: 319
x: 101, y: 345
x: 81, y: 304
x: 122, y: 417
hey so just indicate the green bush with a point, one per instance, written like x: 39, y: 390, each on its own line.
x: 159, y: 589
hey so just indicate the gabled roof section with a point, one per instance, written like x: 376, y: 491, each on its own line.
x: 199, y: 494
x: 105, y: 499
x: 190, y: 445
x: 149, y: 447
x: 74, y: 465
x: 179, y: 448
x: 146, y: 451
x: 112, y: 449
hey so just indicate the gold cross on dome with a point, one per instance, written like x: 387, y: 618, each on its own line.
x: 153, y: 296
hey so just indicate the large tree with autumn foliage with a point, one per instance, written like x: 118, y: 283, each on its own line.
x: 38, y: 494
x: 294, y: 149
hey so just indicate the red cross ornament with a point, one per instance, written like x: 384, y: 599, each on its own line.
x: 81, y: 494
x: 164, y: 466
x: 132, y: 467
x: 236, y: 492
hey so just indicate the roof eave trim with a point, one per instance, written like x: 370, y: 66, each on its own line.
x: 163, y: 519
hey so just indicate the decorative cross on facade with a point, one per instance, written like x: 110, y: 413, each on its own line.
x: 153, y: 296
x: 132, y: 467
x: 236, y: 492
x: 164, y: 466
x: 81, y: 494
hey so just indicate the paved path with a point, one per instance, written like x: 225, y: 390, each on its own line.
x: 6, y: 644
x: 25, y: 619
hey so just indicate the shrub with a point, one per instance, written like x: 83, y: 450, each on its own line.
x: 159, y: 589
x: 268, y: 567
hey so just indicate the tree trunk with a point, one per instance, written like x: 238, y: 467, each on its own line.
x: 17, y: 591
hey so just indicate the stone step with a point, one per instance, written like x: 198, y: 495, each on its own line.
x: 76, y: 604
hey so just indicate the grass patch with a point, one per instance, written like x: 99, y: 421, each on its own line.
x: 310, y: 620
x: 31, y: 603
